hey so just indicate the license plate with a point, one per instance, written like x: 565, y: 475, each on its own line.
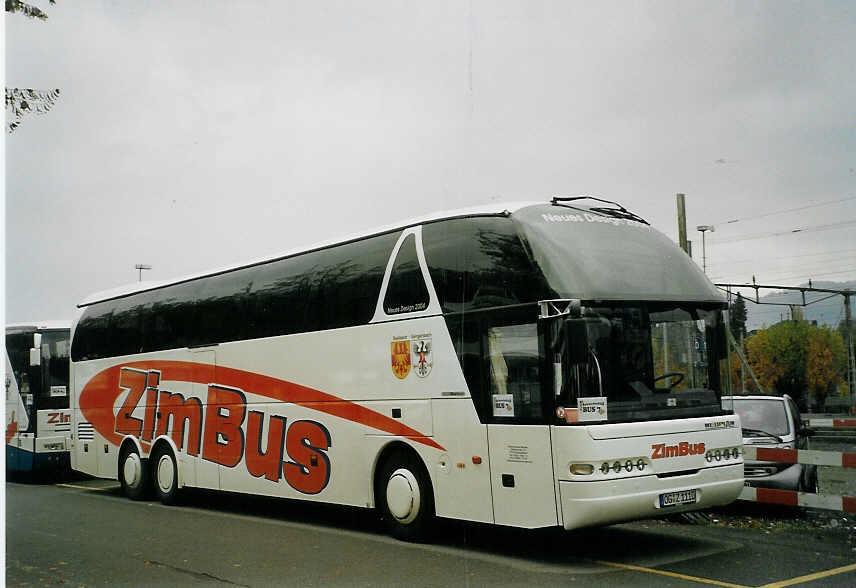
x: 675, y: 498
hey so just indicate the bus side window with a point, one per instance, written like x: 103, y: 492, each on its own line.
x: 406, y: 291
x: 514, y: 378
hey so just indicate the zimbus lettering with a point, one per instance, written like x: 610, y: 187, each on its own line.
x: 219, y: 437
x: 661, y: 450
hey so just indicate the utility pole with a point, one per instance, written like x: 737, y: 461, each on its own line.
x: 727, y: 347
x: 682, y: 225
x: 848, y: 329
x: 742, y: 373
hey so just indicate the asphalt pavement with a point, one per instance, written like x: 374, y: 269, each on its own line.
x: 83, y: 533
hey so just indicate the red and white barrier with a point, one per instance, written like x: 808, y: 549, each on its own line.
x: 805, y: 456
x: 833, y: 423
x: 792, y: 498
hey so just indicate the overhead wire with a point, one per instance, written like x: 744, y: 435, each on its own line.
x: 775, y: 212
x: 756, y: 259
x: 804, y: 276
x: 826, y: 227
x: 819, y: 265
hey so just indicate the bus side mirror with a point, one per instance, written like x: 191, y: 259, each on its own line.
x: 36, y: 351
x: 721, y: 340
x: 576, y: 338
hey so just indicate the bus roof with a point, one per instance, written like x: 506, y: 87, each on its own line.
x: 57, y: 325
x: 482, y: 210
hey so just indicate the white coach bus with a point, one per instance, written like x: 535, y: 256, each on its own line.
x: 529, y: 365
x: 38, y: 417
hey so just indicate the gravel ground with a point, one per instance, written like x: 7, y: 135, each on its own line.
x: 771, y: 519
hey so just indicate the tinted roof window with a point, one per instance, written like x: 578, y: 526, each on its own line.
x: 406, y: 291
x: 479, y: 263
x: 92, y: 334
x: 330, y: 288
x: 348, y: 282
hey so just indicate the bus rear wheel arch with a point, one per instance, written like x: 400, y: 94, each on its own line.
x: 133, y: 472
x: 164, y: 473
x: 403, y: 495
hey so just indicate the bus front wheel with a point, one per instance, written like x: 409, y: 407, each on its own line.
x: 133, y: 474
x: 165, y: 473
x: 404, y: 497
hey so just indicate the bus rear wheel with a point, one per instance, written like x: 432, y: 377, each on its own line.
x: 404, y: 497
x: 133, y: 474
x: 165, y: 473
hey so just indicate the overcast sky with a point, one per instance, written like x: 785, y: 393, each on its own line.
x: 192, y: 135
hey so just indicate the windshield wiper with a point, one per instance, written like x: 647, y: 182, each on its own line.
x: 760, y: 433
x: 618, y: 212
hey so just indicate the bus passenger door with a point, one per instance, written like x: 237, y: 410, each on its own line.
x: 521, y: 471
x: 521, y: 462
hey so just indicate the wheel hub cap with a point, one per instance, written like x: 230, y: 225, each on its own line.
x: 166, y: 473
x: 402, y: 495
x: 131, y: 469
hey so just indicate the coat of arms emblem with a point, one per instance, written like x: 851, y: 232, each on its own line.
x: 423, y: 358
x: 400, y: 358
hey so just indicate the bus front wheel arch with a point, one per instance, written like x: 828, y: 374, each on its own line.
x: 403, y: 495
x: 133, y: 473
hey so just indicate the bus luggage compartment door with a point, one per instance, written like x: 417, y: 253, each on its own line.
x: 521, y: 476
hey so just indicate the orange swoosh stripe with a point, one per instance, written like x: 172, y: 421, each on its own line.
x: 99, y: 395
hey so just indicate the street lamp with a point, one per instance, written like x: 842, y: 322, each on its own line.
x: 703, y: 229
x: 140, y: 267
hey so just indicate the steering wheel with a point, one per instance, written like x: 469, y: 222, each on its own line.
x: 679, y: 375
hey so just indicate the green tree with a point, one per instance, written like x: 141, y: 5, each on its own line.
x: 825, y: 363
x: 27, y: 9
x: 798, y: 359
x: 21, y: 102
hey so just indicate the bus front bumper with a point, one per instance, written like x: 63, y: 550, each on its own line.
x: 608, y: 501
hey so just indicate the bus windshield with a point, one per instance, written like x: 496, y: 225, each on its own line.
x: 638, y: 361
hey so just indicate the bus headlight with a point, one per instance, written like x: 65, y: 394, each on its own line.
x: 582, y: 469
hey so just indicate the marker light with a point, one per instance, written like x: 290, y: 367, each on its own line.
x: 582, y: 469
x: 721, y: 454
x: 627, y: 466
